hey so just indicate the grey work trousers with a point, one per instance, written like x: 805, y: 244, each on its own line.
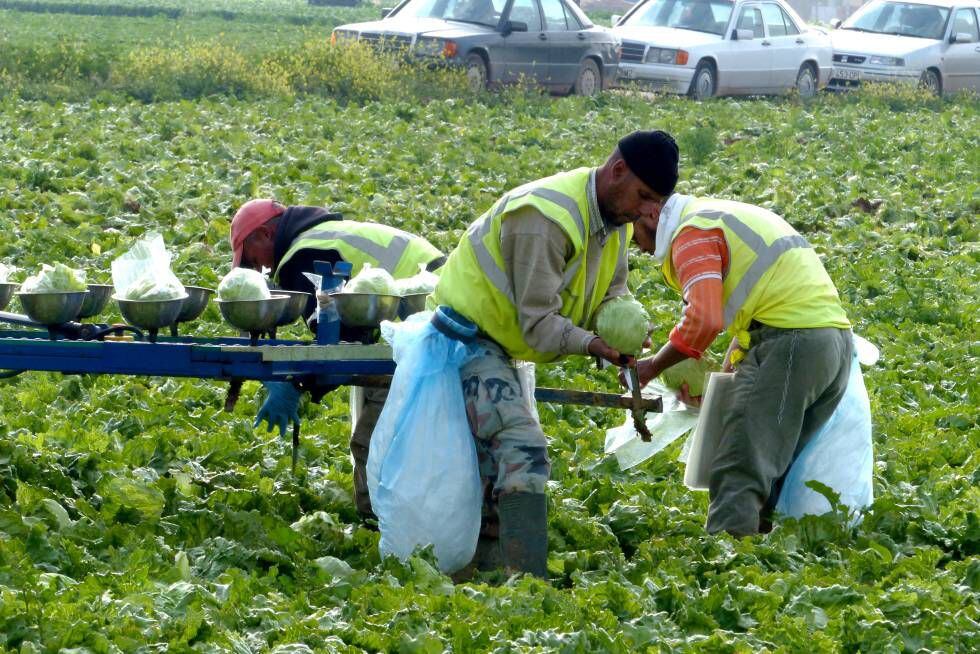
x: 786, y: 388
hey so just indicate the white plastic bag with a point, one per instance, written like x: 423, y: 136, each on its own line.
x: 376, y: 281
x: 527, y: 376
x: 704, y: 441
x: 840, y: 455
x: 422, y: 469
x: 356, y: 406
x: 424, y: 281
x: 143, y: 272
x: 674, y: 421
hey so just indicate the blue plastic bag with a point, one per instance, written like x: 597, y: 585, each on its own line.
x: 422, y: 469
x: 840, y: 455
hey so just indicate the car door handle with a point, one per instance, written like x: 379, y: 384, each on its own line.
x: 581, y: 36
x: 800, y: 41
x: 766, y: 43
x: 542, y: 36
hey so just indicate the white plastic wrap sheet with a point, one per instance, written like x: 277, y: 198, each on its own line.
x: 676, y: 420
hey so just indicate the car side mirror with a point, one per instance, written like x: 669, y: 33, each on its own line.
x: 513, y: 26
x: 614, y: 19
x: 742, y: 35
x: 960, y: 37
x: 835, y: 23
x: 386, y: 11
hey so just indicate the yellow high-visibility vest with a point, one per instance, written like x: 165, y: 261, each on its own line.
x: 398, y: 252
x: 773, y: 277
x: 475, y: 283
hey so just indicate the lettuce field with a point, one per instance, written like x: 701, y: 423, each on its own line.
x: 136, y: 515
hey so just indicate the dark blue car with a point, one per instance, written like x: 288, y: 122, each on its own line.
x: 551, y: 42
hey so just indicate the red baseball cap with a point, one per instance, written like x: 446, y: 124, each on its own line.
x: 249, y: 217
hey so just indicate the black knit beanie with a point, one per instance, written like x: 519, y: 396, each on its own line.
x: 653, y: 157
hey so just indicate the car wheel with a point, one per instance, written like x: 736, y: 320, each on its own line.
x: 588, y: 82
x: 477, y: 72
x: 931, y: 81
x: 806, y: 81
x: 705, y: 82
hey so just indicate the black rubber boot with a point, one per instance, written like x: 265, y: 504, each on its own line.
x: 487, y: 556
x: 524, y: 533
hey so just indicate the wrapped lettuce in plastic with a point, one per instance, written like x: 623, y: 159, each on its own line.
x: 243, y: 284
x: 143, y: 272
x: 623, y: 324
x: 146, y: 288
x: 371, y: 280
x: 55, y: 279
x: 693, y: 372
x: 423, y: 282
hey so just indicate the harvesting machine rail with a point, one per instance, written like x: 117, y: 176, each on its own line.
x: 326, y: 362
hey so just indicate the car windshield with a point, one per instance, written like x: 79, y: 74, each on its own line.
x: 899, y: 18
x: 709, y: 16
x: 478, y: 12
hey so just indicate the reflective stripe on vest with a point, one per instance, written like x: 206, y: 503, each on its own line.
x: 765, y: 256
x: 388, y: 256
x: 482, y: 228
x: 475, y: 280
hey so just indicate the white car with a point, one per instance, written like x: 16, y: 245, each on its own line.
x: 722, y: 47
x: 935, y: 43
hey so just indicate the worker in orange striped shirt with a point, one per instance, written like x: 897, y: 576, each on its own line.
x: 745, y: 269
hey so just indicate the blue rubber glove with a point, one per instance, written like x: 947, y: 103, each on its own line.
x: 280, y: 407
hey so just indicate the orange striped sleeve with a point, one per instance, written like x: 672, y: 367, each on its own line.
x: 700, y: 258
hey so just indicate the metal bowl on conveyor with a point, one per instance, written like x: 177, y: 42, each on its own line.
x: 151, y: 315
x: 7, y: 290
x: 412, y: 303
x: 52, y: 308
x: 253, y: 316
x: 95, y: 301
x: 193, y: 306
x: 366, y: 309
x: 294, y: 307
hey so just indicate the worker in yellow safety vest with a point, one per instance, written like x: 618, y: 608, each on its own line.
x: 531, y: 273
x: 287, y: 240
x: 745, y: 269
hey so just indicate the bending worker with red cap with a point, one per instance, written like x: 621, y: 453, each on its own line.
x: 531, y: 273
x: 287, y: 240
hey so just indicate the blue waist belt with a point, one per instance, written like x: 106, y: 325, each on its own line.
x: 453, y: 324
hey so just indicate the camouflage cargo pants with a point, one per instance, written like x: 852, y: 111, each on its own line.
x: 511, y: 447
x: 360, y: 442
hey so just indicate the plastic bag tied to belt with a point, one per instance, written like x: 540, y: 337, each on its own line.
x: 422, y: 471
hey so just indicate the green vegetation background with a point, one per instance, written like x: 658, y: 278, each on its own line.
x: 136, y: 515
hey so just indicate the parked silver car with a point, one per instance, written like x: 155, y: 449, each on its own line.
x: 722, y: 47
x: 933, y: 42
x: 551, y: 42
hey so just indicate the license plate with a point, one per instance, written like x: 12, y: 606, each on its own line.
x: 846, y: 73
x: 627, y: 73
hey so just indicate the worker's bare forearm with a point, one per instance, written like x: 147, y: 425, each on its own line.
x: 666, y: 357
